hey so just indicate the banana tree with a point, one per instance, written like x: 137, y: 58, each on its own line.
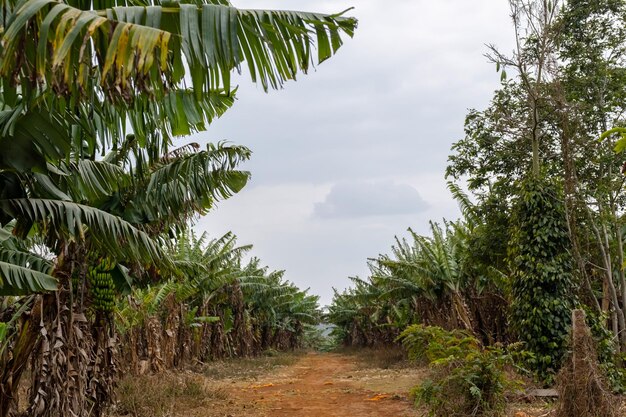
x: 218, y: 307
x: 79, y: 79
x: 422, y: 280
x: 113, y: 215
x: 75, y: 77
x: 280, y: 312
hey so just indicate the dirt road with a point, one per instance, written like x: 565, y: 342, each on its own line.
x: 324, y: 385
x: 359, y: 384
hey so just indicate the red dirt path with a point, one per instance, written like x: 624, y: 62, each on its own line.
x: 318, y: 385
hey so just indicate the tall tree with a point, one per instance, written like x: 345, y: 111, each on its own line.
x: 581, y: 94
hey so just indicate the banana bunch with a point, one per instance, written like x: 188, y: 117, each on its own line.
x: 102, y: 287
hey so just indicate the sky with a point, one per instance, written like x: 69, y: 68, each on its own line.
x: 352, y: 154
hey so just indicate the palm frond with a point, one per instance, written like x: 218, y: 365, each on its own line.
x: 465, y: 204
x: 88, y: 180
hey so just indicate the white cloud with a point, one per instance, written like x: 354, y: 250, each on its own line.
x: 364, y: 199
x: 321, y: 253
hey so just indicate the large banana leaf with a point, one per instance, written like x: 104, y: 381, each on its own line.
x: 198, y: 179
x: 30, y: 137
x: 88, y: 180
x: 19, y: 280
x: 95, y: 73
x: 26, y: 138
x: 109, y: 233
x: 183, y: 183
x: 150, y: 49
x: 22, y: 272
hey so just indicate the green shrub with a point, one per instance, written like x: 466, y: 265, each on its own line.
x: 467, y: 379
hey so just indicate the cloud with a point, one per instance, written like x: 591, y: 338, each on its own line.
x: 365, y: 199
x: 383, y: 112
x: 320, y: 253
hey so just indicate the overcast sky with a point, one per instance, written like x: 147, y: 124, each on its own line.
x: 354, y: 153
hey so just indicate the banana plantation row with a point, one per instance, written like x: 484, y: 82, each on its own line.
x: 539, y: 177
x: 99, y: 271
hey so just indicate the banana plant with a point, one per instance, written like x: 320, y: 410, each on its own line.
x: 92, y: 97
x: 96, y: 68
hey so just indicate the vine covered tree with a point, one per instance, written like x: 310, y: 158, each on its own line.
x: 541, y: 275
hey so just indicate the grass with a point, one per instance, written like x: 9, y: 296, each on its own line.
x: 161, y: 395
x: 187, y: 393
x: 392, y: 357
x: 248, y: 368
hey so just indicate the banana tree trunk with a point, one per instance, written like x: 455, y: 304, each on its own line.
x: 66, y: 371
x: 12, y: 367
x: 462, y: 311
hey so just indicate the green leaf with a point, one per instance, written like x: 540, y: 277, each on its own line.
x: 110, y: 233
x: 620, y: 145
x: 19, y: 280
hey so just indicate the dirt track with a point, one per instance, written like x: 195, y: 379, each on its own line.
x: 321, y: 385
x: 364, y: 383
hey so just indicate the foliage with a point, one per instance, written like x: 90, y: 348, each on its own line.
x: 98, y: 67
x: 467, y: 379
x: 606, y: 348
x: 22, y: 271
x: 541, y: 282
x: 578, y: 97
x: 494, y: 152
x: 221, y: 307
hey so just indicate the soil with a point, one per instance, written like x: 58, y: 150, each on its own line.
x: 323, y: 385
x: 304, y: 385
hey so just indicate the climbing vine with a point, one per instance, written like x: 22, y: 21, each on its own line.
x: 541, y: 275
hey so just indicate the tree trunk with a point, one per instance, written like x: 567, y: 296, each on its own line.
x: 462, y: 311
x: 64, y: 363
x: 12, y: 368
x: 570, y: 182
x: 603, y: 245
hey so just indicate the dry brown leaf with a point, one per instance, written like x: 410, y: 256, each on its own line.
x: 379, y: 397
x: 262, y: 386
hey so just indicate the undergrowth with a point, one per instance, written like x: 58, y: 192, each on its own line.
x: 249, y: 368
x: 610, y: 364
x: 163, y: 395
x: 467, y: 379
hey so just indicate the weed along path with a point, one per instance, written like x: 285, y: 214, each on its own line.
x: 324, y: 385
